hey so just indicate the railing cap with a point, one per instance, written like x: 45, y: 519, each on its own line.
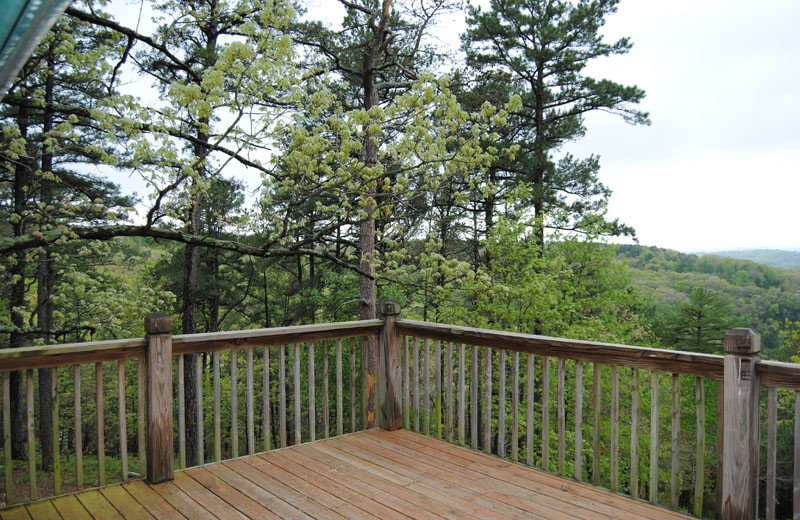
x: 158, y: 323
x: 742, y: 341
x: 390, y: 308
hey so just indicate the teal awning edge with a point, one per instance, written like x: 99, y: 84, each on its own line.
x: 23, y: 24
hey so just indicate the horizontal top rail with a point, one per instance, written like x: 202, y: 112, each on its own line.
x: 707, y: 365
x: 114, y: 350
x: 778, y: 374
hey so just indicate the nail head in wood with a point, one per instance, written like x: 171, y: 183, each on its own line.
x: 158, y: 323
x: 742, y: 341
x: 390, y: 308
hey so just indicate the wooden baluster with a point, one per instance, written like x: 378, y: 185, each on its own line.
x: 352, y: 384
x: 7, y: 462
x: 676, y: 420
x: 217, y: 407
x: 501, y: 404
x: 614, y: 428
x: 529, y: 416
x: 720, y: 448
x: 426, y: 388
x: 487, y: 429
x: 142, y: 425
x: 32, y: 438
x: 234, y: 405
x: 123, y: 429
x: 742, y: 390
x: 282, y: 394
x: 364, y: 392
x: 461, y: 396
x: 772, y: 428
x: 635, y: 433
x: 546, y: 413
x: 438, y: 387
x: 515, y: 406
x: 181, y: 415
x: 312, y: 397
x: 796, y: 486
x: 449, y: 391
x: 298, y: 435
x: 596, y: 425
x: 473, y: 397
x: 562, y: 416
x: 55, y: 432
x: 406, y: 385
x: 249, y: 398
x: 198, y: 392
x: 326, y: 410
x: 653, y: 495
x: 579, y: 420
x: 701, y: 446
x: 101, y: 449
x: 76, y: 384
x: 339, y: 397
x: 267, y: 425
x: 416, y: 384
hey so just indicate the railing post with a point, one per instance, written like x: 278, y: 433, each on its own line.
x: 741, y: 432
x: 391, y: 389
x: 159, y: 397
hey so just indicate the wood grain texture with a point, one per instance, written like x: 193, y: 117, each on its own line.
x: 740, y: 467
x: 772, y: 441
x: 705, y: 365
x: 159, y: 408
x: 391, y: 354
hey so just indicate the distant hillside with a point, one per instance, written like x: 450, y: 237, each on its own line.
x: 761, y: 296
x: 773, y: 257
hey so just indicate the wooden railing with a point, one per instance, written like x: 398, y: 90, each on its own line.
x: 553, y: 403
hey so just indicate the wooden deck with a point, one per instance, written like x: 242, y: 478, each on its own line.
x: 370, y: 474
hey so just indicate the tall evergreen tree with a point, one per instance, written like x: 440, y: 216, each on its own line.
x: 699, y: 323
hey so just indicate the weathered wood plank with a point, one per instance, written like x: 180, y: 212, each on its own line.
x: 406, y: 384
x: 699, y: 470
x: 101, y: 449
x: 614, y: 486
x: 312, y: 397
x: 217, y: 407
x: 43, y: 510
x: 235, y: 404
x: 123, y: 427
x: 461, y: 395
x: 779, y: 374
x: 69, y: 354
x: 282, y: 394
x: 249, y: 400
x: 265, y: 401
x: 772, y: 428
x: 426, y: 413
x: 501, y: 404
x: 151, y: 500
x: 596, y: 424
x: 15, y: 513
x: 31, y: 435
x: 530, y: 401
x: 76, y: 384
x: 474, y: 391
x: 634, y: 433
x: 654, y: 430
x: 159, y: 398
x: 70, y: 509
x: 391, y: 388
x: 181, y: 414
x: 546, y: 413
x: 562, y: 416
x: 487, y: 408
x: 123, y: 502
x: 416, y: 384
x: 515, y: 406
x: 198, y: 392
x: 235, y: 497
x: 705, y: 365
x: 298, y: 435
x: 141, y: 427
x: 448, y: 385
x: 7, y: 462
x: 579, y: 420
x: 676, y: 420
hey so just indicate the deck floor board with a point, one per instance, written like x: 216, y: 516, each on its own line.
x: 366, y: 475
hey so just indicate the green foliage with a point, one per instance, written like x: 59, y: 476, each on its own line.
x: 697, y: 324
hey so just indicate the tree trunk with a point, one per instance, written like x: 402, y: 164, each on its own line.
x: 189, y: 326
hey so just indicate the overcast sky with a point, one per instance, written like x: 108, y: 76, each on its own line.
x: 719, y: 168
